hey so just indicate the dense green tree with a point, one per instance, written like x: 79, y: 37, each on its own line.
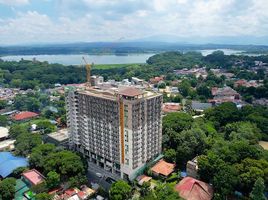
x: 78, y: 180
x: 166, y: 191
x: 145, y: 188
x: 170, y: 155
x: 242, y: 130
x: 225, y: 181
x: 65, y: 163
x: 3, y: 104
x: 120, y: 190
x: 223, y: 114
x: 3, y: 120
x: 53, y: 179
x: 39, y: 153
x: 203, y: 90
x: 45, y: 126
x: 7, y: 188
x: 17, y: 172
x: 249, y: 171
x: 258, y: 190
x: 18, y: 129
x: 43, y: 196
x: 25, y: 142
x: 177, y: 122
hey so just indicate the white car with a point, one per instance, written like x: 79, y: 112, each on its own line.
x: 99, y: 175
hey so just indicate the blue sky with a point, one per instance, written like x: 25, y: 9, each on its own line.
x: 49, y: 21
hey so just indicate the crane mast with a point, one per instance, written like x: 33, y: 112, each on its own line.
x: 88, y: 68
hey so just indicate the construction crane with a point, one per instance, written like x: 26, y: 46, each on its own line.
x: 88, y: 68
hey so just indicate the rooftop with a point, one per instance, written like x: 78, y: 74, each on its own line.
x: 111, y: 93
x: 34, y: 176
x: 24, y: 115
x: 192, y: 189
x: 163, y: 168
x: 130, y: 91
x: 143, y: 178
x: 8, y: 163
x: 60, y: 135
x: 3, y: 132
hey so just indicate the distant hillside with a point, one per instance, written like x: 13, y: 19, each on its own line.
x: 119, y: 48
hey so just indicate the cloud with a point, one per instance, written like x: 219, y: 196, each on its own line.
x: 106, y: 20
x: 14, y: 2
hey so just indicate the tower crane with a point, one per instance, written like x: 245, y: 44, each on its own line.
x: 88, y: 68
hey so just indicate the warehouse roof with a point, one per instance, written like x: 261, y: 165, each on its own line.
x: 24, y: 115
x: 8, y: 163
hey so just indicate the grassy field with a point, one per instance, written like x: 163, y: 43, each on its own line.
x: 264, y: 144
x: 111, y: 66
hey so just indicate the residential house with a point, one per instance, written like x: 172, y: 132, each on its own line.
x: 193, y: 189
x: 24, y: 116
x: 163, y: 168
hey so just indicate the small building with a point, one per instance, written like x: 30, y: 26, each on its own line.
x: 163, y: 168
x: 33, y: 177
x: 192, y: 168
x: 25, y: 115
x: 143, y: 179
x: 193, y: 189
x: 7, y: 145
x: 3, y: 133
x: 59, y: 138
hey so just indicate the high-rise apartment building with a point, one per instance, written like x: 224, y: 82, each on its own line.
x: 119, y: 130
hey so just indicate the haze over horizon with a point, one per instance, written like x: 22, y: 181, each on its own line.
x: 198, y: 22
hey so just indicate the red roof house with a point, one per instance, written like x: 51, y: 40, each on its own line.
x: 24, y: 115
x: 163, y: 168
x: 33, y: 176
x: 193, y: 189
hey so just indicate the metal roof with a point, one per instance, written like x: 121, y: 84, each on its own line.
x: 8, y: 163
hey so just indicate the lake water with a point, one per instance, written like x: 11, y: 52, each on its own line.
x: 76, y: 59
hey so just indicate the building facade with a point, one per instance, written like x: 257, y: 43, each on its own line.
x: 119, y: 130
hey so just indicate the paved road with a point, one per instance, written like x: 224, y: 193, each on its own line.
x: 93, y: 178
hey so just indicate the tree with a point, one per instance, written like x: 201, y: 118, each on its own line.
x: 43, y: 196
x: 7, y: 188
x: 177, y: 121
x: 39, y: 153
x: 223, y: 114
x: 53, y: 179
x: 145, y: 188
x: 225, y: 180
x: 258, y: 190
x: 65, y: 163
x: 17, y: 129
x: 3, y: 120
x: 242, y: 130
x: 77, y: 180
x: 166, y: 191
x: 3, y: 104
x: 120, y: 190
x: 17, y: 172
x: 25, y: 142
x: 170, y: 155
